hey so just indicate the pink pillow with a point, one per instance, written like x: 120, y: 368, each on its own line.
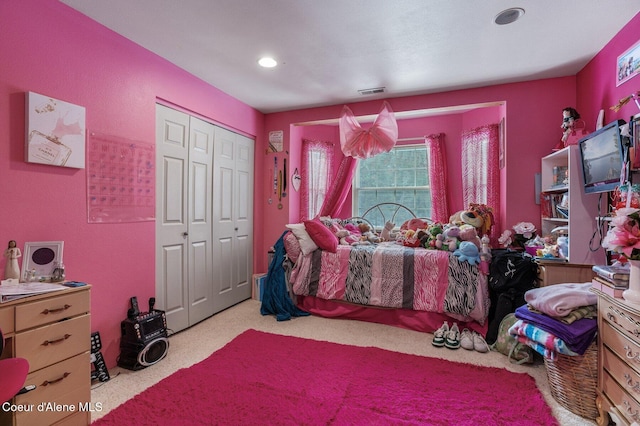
x: 321, y: 235
x: 292, y: 246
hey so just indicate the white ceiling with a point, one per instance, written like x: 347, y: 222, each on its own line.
x: 329, y: 49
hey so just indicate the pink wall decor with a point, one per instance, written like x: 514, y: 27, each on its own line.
x: 628, y: 64
x: 56, y: 132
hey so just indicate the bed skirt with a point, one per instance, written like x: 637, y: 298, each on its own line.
x: 423, y: 321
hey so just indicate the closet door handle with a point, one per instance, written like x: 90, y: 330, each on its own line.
x: 185, y: 234
x: 235, y: 229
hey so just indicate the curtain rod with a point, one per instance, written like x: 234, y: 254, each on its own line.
x: 418, y: 138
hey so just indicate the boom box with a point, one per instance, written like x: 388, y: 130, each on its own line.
x: 143, y: 340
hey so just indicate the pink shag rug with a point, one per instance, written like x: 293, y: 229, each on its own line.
x: 262, y: 378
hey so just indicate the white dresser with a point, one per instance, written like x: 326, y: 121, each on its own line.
x: 618, y: 361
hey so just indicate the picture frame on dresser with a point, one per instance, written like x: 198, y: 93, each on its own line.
x: 39, y: 260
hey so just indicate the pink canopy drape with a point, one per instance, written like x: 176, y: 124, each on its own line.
x: 360, y: 143
x: 337, y: 195
x: 437, y: 177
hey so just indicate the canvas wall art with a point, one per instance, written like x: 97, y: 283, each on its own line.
x: 56, y: 132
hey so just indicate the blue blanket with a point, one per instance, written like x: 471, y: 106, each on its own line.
x: 276, y: 300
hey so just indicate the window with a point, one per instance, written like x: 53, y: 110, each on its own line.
x: 317, y: 163
x: 398, y: 176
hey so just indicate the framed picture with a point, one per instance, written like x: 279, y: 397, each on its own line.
x: 55, y: 132
x: 628, y: 64
x: 40, y: 259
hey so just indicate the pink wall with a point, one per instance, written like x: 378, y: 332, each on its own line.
x: 532, y: 110
x: 597, y: 80
x: 51, y: 49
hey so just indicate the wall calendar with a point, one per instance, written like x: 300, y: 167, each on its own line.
x: 120, y: 180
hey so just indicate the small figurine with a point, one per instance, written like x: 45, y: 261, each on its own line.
x: 569, y: 117
x: 11, y: 268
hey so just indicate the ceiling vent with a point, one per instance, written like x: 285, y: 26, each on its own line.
x: 371, y: 91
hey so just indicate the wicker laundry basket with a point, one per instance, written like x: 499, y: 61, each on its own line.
x: 573, y: 381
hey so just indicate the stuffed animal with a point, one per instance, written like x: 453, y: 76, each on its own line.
x: 346, y: 238
x: 367, y: 234
x: 456, y: 218
x: 451, y: 238
x: 414, y: 224
x: 386, y: 235
x: 469, y: 233
x: 468, y: 252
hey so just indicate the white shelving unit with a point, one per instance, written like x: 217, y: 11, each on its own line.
x: 582, y: 208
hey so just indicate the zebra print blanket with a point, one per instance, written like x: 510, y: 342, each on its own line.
x: 393, y: 276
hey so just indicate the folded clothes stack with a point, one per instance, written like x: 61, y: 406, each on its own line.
x: 558, y: 319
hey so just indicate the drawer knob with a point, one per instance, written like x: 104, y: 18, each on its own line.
x: 630, y: 411
x: 47, y: 382
x: 55, y: 311
x: 51, y: 342
x: 634, y: 386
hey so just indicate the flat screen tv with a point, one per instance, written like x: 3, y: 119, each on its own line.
x: 602, y: 155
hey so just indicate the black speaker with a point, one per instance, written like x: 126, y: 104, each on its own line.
x: 143, y: 340
x: 136, y: 356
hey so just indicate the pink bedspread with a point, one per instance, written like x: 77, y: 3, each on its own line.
x: 393, y: 276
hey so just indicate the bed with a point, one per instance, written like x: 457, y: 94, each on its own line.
x: 387, y: 282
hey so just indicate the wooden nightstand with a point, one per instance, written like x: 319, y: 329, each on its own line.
x: 554, y: 272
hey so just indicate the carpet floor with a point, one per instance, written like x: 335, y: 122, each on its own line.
x: 263, y: 378
x: 305, y: 383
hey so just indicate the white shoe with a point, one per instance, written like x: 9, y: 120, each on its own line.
x: 466, y: 339
x: 479, y: 344
x: 440, y: 334
x: 452, y: 339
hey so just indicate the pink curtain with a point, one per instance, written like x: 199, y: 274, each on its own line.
x: 437, y: 177
x: 481, y: 170
x: 334, y: 200
x: 360, y: 143
x: 317, y: 163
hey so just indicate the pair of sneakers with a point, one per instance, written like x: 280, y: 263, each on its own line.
x: 448, y: 337
x: 471, y: 340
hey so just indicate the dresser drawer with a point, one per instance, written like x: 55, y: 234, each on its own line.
x: 57, y: 380
x: 628, y: 378
x: 624, y: 403
x: 6, y: 320
x: 624, y: 347
x: 52, y: 343
x: 51, y: 310
x: 620, y: 318
x: 55, y: 410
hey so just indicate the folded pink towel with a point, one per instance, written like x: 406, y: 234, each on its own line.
x: 560, y: 299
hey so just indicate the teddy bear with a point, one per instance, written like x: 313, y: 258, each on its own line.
x: 367, y: 235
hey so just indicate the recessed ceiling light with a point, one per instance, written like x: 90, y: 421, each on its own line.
x: 267, y: 62
x: 509, y: 16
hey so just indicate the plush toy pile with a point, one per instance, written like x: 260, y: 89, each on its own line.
x: 461, y: 236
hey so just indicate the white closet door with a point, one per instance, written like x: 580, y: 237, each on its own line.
x: 199, y: 211
x: 172, y: 158
x: 232, y: 218
x: 184, y: 150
